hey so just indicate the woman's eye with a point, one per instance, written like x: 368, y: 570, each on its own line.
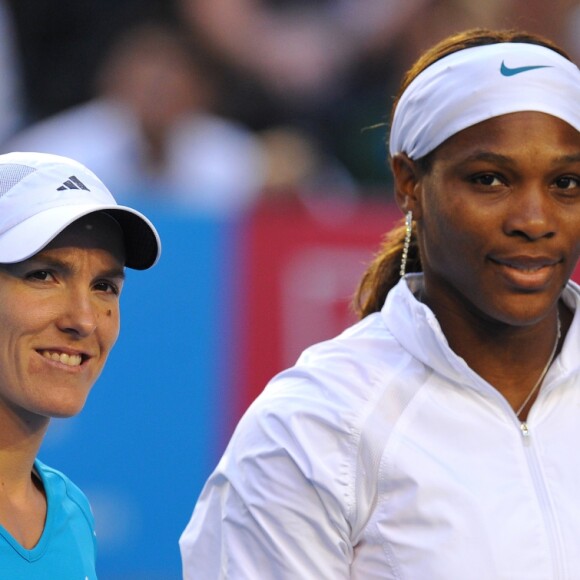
x: 42, y: 275
x: 107, y: 287
x: 487, y: 179
x: 568, y: 182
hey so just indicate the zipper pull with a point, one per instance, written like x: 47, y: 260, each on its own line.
x: 525, y: 430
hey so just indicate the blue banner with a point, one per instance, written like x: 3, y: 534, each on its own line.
x: 155, y: 423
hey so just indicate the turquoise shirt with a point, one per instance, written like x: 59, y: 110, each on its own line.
x: 67, y: 548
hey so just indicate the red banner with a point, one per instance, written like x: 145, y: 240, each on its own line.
x: 303, y: 266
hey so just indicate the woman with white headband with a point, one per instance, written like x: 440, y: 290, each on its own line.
x: 435, y: 439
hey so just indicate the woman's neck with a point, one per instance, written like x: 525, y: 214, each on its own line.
x: 513, y: 359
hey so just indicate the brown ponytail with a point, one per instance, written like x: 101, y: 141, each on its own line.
x: 383, y: 272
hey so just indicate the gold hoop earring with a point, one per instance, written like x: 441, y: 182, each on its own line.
x: 407, y: 242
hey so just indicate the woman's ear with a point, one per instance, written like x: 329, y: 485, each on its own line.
x: 407, y: 184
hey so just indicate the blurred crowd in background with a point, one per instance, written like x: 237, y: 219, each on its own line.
x: 215, y: 104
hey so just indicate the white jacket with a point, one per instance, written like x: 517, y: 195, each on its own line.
x: 381, y: 454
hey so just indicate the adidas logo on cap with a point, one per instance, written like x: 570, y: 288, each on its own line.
x: 72, y: 182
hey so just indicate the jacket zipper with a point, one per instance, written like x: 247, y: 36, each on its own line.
x: 552, y: 530
x: 525, y: 432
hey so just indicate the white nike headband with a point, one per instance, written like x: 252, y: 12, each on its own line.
x: 41, y: 194
x: 479, y: 83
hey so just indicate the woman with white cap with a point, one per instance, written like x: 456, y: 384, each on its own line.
x: 64, y: 244
x: 434, y: 439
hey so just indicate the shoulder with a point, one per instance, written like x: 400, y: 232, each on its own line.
x: 68, y: 546
x: 319, y: 406
x: 345, y: 372
x: 80, y: 132
x: 63, y: 490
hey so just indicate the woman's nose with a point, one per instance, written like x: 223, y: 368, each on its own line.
x: 530, y: 215
x: 79, y: 314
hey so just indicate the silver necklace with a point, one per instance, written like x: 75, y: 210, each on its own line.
x: 543, y: 373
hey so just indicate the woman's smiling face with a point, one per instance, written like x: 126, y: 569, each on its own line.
x: 59, y: 319
x: 498, y: 217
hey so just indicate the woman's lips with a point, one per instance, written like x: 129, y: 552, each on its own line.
x: 526, y: 271
x: 64, y: 357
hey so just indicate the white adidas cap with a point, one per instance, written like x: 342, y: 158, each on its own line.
x: 41, y: 194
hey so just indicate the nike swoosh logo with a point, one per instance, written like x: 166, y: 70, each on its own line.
x: 510, y: 72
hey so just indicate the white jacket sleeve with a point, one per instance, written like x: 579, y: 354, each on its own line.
x: 276, y: 507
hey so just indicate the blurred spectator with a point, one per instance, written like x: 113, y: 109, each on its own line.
x: 571, y: 36
x: 302, y: 52
x: 557, y: 19
x: 10, y: 87
x: 318, y: 72
x: 321, y: 65
x: 443, y: 17
x: 150, y: 128
x: 298, y: 167
x: 327, y: 66
x: 295, y: 162
x: 61, y: 43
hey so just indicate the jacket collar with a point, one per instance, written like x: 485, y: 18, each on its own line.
x: 416, y: 328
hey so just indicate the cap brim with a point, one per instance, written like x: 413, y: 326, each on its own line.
x: 142, y: 243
